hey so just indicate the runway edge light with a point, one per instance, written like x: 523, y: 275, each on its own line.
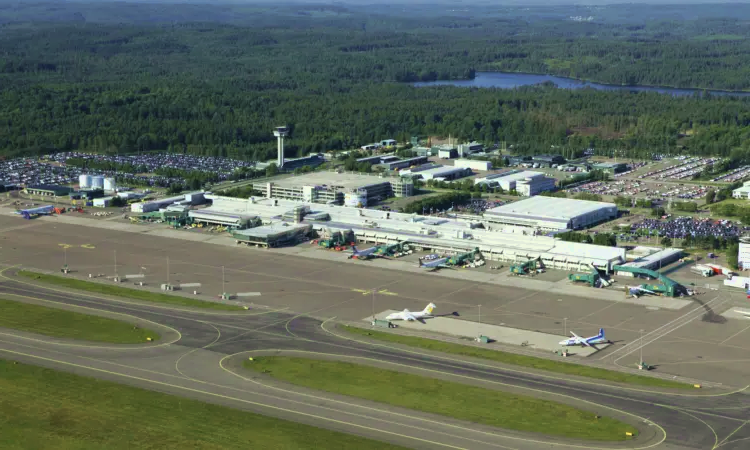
x: 628, y: 433
x: 697, y: 386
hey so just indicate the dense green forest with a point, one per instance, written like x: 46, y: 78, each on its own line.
x: 118, y: 77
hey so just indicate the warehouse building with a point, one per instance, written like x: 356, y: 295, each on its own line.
x: 155, y: 205
x: 349, y: 189
x: 474, y: 164
x: 227, y: 219
x: 403, y: 163
x: 441, y: 173
x: 548, y: 160
x: 49, y: 190
x: 742, y: 191
x: 525, y: 182
x: 552, y: 213
x: 610, y: 168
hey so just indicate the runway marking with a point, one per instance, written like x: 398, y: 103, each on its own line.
x: 723, y: 361
x: 441, y: 373
x: 732, y: 434
x: 537, y: 374
x: 177, y: 363
x: 199, y: 391
x: 421, y: 419
x: 659, y: 333
x: 65, y: 246
x: 196, y: 310
x: 88, y: 246
x: 716, y: 436
x: 735, y: 334
x: 141, y: 346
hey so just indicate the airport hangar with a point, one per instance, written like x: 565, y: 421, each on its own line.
x: 552, y: 213
x: 498, y: 243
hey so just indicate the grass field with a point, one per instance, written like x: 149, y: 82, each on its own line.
x: 68, y: 324
x: 462, y: 401
x: 119, y: 291
x: 518, y: 360
x: 47, y: 409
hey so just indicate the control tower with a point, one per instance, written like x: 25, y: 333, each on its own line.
x: 281, y: 133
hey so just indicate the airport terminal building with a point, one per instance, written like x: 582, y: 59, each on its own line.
x: 497, y: 243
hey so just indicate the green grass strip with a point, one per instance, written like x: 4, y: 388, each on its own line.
x: 518, y: 360
x: 124, y: 292
x: 461, y: 401
x: 68, y: 324
x: 48, y: 409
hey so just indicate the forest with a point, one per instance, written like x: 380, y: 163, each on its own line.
x: 216, y: 81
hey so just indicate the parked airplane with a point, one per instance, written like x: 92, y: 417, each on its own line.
x: 434, y: 264
x: 411, y: 316
x: 364, y: 254
x: 637, y: 291
x: 589, y: 341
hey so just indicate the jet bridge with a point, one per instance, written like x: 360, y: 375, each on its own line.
x: 668, y: 287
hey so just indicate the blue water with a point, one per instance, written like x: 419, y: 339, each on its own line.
x: 505, y: 80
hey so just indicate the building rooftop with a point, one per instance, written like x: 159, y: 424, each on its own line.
x: 550, y: 208
x: 510, y: 176
x: 346, y: 180
x: 275, y: 229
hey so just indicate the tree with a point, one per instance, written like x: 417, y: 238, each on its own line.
x: 666, y: 242
x: 272, y: 170
x: 710, y: 196
x: 733, y: 251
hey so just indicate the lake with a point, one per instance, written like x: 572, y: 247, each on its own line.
x: 505, y: 80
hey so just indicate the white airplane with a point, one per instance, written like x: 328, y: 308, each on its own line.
x: 363, y: 254
x: 637, y: 291
x: 434, y: 264
x: 411, y: 316
x: 589, y: 341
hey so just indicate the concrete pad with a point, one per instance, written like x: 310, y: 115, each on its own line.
x: 506, y: 335
x: 733, y: 313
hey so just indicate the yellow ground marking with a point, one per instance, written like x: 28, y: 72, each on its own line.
x: 539, y: 374
x: 731, y: 434
x: 72, y: 291
x: 716, y: 436
x: 122, y: 347
x: 212, y: 394
x: 66, y: 246
x: 89, y: 246
x: 221, y: 363
x: 177, y: 363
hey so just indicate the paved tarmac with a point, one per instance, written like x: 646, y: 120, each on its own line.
x: 200, y: 359
x: 696, y: 341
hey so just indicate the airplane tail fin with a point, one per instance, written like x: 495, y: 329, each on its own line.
x: 601, y: 332
x: 429, y: 308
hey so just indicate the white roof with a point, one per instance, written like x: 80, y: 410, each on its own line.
x: 549, y: 208
x: 441, y: 171
x: 512, y: 176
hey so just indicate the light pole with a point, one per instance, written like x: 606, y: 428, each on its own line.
x: 115, y: 263
x: 480, y: 319
x: 167, y: 270
x: 65, y: 257
x: 222, y: 281
x: 641, y: 361
x: 565, y: 326
x: 373, y: 304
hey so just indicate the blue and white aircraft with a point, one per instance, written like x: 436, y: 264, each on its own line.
x: 363, y: 254
x: 434, y: 264
x: 586, y: 342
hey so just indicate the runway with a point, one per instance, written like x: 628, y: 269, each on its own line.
x: 200, y: 359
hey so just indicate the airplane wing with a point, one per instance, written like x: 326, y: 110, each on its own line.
x: 575, y: 335
x: 409, y: 316
x: 584, y: 342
